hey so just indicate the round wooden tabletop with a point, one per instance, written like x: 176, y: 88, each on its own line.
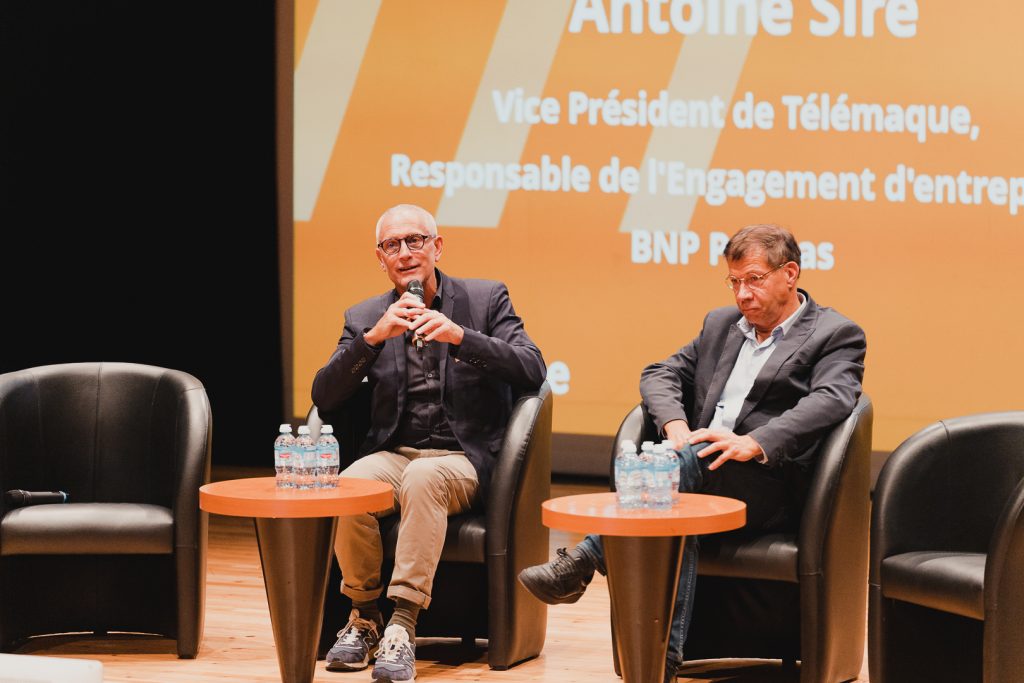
x: 260, y: 497
x: 598, y: 513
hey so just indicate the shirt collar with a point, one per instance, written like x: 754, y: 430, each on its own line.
x: 780, y: 330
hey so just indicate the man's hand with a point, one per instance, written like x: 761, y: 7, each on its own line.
x: 729, y: 446
x: 399, y: 318
x: 435, y: 326
x: 678, y: 432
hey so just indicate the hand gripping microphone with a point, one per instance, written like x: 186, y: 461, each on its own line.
x: 415, y: 287
x: 18, y: 498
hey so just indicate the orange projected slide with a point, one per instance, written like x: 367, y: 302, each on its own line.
x: 596, y: 154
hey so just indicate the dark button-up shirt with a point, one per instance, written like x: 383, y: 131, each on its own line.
x: 423, y: 423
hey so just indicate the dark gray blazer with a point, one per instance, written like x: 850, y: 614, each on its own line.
x: 479, y: 378
x: 809, y: 384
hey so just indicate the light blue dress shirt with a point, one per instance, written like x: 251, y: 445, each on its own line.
x: 753, y: 355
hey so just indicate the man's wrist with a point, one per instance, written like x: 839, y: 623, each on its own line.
x: 371, y: 339
x: 675, y: 424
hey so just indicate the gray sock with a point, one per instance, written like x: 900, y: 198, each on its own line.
x: 405, y: 615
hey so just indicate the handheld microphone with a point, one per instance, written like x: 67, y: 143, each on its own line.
x: 415, y: 287
x: 17, y: 498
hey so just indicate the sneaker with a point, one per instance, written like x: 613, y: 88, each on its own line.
x: 357, y: 642
x: 560, y: 581
x: 396, y: 658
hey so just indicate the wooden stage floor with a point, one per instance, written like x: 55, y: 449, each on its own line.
x: 238, y: 645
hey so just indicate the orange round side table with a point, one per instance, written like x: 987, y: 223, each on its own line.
x: 643, y: 551
x: 295, y: 532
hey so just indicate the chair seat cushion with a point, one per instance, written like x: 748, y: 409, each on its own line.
x: 463, y: 541
x: 771, y: 556
x: 946, y: 581
x: 87, y: 529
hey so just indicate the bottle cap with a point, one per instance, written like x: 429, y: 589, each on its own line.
x: 304, y: 429
x: 659, y: 448
x: 326, y: 429
x: 286, y: 429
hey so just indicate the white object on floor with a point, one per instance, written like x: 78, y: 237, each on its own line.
x: 32, y: 669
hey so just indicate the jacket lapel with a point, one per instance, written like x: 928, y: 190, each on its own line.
x: 455, y: 307
x: 397, y: 345
x: 726, y: 362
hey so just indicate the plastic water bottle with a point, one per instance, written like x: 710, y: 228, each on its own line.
x: 329, y: 459
x: 628, y: 477
x: 284, y: 447
x: 305, y: 459
x: 660, y: 494
x: 647, y: 471
x: 673, y: 458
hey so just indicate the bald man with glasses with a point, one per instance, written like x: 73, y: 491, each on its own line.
x: 443, y: 367
x: 746, y: 404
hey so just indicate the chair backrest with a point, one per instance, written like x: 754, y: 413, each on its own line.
x: 839, y: 492
x: 103, y: 432
x: 948, y: 484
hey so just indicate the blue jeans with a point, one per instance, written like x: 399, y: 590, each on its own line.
x: 691, y: 479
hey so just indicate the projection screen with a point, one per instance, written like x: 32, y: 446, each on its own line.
x: 595, y: 156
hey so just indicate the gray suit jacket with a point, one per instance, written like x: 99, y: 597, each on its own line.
x: 480, y: 378
x: 809, y: 384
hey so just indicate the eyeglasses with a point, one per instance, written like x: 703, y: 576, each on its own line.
x: 751, y: 281
x: 415, y: 242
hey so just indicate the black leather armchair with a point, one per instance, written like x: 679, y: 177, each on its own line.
x: 790, y: 596
x: 131, y: 445
x: 475, y: 592
x: 947, y: 555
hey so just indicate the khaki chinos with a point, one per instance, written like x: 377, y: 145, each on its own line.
x: 430, y: 485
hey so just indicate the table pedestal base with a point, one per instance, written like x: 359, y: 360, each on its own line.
x: 643, y: 573
x: 296, y: 555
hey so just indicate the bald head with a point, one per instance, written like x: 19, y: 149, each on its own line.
x: 406, y: 214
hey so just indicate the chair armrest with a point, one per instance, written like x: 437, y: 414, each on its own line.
x: 521, y: 479
x: 836, y: 512
x: 192, y: 457
x: 1004, y: 593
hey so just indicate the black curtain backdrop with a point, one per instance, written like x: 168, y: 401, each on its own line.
x: 138, y: 199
